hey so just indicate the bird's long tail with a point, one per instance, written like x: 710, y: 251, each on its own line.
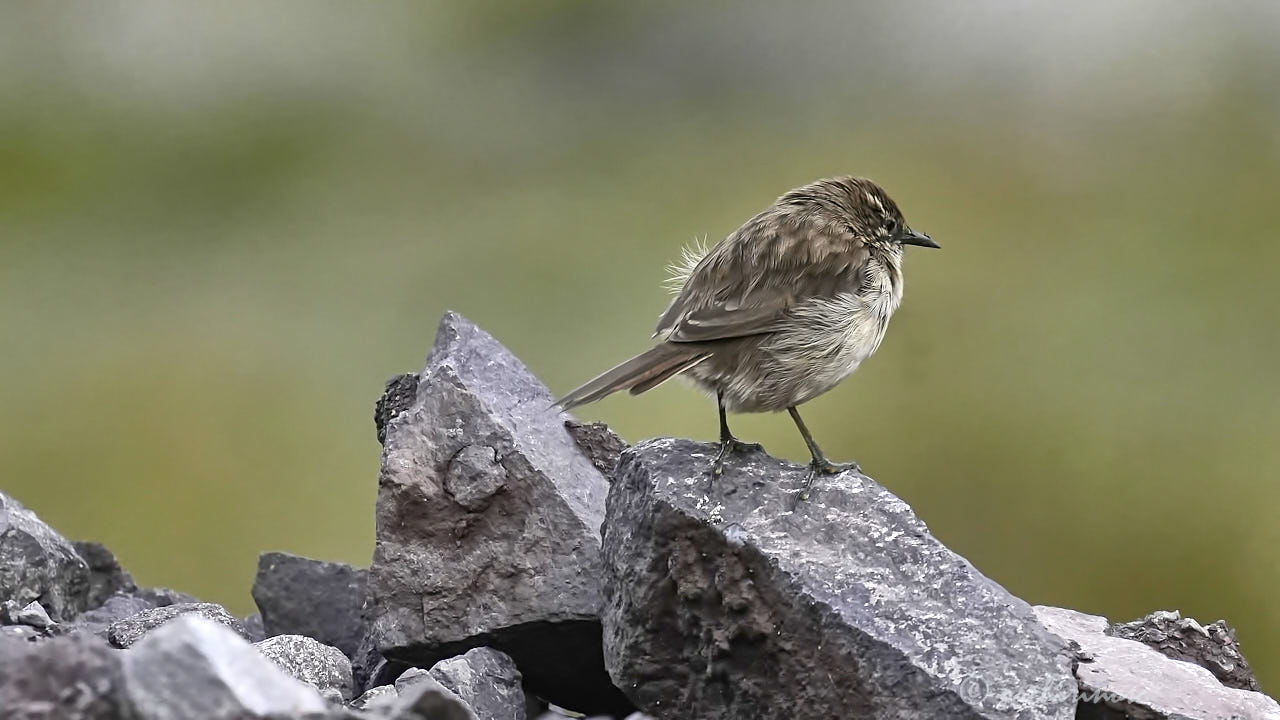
x: 642, y: 372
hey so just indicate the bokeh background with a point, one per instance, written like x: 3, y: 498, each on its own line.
x: 224, y: 225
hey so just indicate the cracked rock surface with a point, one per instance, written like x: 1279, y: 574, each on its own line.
x: 488, y: 521
x: 1122, y: 679
x: 722, y: 604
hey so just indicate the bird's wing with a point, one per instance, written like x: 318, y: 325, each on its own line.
x: 733, y: 297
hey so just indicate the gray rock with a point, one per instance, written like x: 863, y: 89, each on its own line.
x: 488, y: 523
x: 722, y: 603
x: 115, y: 609
x: 194, y: 667
x: 412, y: 677
x: 164, y: 597
x: 321, y: 666
x: 31, y: 615
x: 255, y: 631
x: 396, y: 397
x: 1122, y: 678
x: 322, y: 600
x: 36, y: 563
x: 487, y: 681
x: 106, y: 576
x: 377, y: 699
x: 1213, y: 647
x: 67, y: 678
x: 20, y: 634
x: 126, y: 632
x: 421, y: 697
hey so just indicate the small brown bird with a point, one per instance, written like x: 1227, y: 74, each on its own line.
x: 781, y: 310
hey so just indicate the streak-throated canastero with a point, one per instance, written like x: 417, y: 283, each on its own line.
x: 781, y: 310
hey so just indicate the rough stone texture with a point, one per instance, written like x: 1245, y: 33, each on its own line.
x: 722, y: 604
x: 422, y: 697
x: 379, y: 698
x: 36, y: 563
x: 1213, y: 647
x: 487, y: 680
x: 68, y: 678
x: 396, y: 397
x: 321, y: 666
x: 1122, y: 678
x: 488, y: 523
x: 194, y: 667
x: 126, y: 632
x: 106, y: 576
x: 601, y: 445
x: 322, y: 600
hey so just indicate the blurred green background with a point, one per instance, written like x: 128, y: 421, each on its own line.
x: 223, y: 226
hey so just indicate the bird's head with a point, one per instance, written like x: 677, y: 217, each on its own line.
x: 863, y: 207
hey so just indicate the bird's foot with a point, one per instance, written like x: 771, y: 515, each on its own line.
x: 731, y: 446
x: 821, y: 466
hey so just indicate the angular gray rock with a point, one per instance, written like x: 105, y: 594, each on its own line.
x: 376, y: 699
x: 1213, y: 647
x: 422, y: 697
x: 601, y: 445
x: 68, y: 678
x: 106, y: 576
x: 36, y: 563
x: 1122, y: 678
x: 321, y: 666
x: 487, y: 681
x: 193, y: 667
x: 126, y: 632
x: 32, y: 614
x: 721, y: 603
x: 322, y: 600
x: 488, y: 523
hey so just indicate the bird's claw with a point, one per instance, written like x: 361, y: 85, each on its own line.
x: 728, y: 447
x: 821, y: 466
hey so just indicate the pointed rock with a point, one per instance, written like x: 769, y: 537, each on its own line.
x: 488, y: 523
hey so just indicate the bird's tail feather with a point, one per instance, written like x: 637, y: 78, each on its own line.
x: 642, y: 372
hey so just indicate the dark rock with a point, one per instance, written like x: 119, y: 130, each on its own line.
x: 321, y: 666
x: 1122, y: 678
x: 421, y: 697
x: 106, y: 576
x: 370, y: 669
x: 126, y: 632
x: 36, y: 563
x: 487, y: 681
x: 396, y: 398
x: 601, y: 445
x: 377, y: 699
x: 722, y: 603
x: 322, y: 600
x: 1213, y: 647
x: 68, y: 678
x: 194, y: 667
x: 255, y: 631
x: 488, y: 517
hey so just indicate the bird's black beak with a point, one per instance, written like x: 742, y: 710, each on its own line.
x: 911, y: 237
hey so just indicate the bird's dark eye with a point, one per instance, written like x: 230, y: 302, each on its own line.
x: 891, y: 226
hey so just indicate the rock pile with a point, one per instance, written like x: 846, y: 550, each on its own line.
x: 526, y: 563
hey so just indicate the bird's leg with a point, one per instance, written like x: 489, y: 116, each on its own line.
x: 728, y: 443
x: 820, y: 464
